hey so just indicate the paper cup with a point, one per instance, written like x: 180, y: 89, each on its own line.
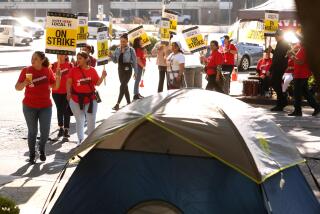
x: 29, y: 77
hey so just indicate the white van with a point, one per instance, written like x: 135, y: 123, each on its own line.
x: 14, y: 35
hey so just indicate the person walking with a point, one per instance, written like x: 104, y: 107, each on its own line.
x: 301, y: 75
x: 125, y: 56
x: 288, y: 73
x: 162, y: 51
x: 277, y: 69
x: 213, y: 65
x: 37, y: 80
x: 81, y: 94
x: 228, y: 51
x: 89, y: 49
x: 175, y: 67
x: 141, y: 63
x: 60, y: 96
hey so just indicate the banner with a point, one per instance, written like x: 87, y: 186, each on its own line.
x: 61, y: 33
x: 82, y: 34
x: 173, y: 17
x: 271, y: 22
x: 139, y: 32
x: 103, y: 48
x: 110, y: 27
x: 165, y: 30
x: 194, y: 39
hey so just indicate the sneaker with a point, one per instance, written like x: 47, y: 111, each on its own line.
x: 60, y: 133
x: 316, y: 111
x: 116, y: 107
x: 32, y: 159
x: 42, y: 156
x: 140, y: 96
x: 66, y: 133
x: 295, y: 114
x: 136, y: 97
x: 277, y: 108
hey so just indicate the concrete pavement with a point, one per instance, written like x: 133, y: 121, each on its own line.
x: 30, y: 185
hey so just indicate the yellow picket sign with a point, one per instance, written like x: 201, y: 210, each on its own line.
x: 61, y: 33
x: 82, y: 32
x: 194, y: 39
x: 102, y: 45
x: 173, y: 17
x: 139, y: 32
x: 271, y: 22
x: 165, y: 30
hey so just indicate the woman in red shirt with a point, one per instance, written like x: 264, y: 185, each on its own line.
x: 60, y: 96
x: 213, y: 67
x: 263, y: 69
x: 141, y: 61
x: 81, y: 94
x: 89, y: 49
x: 301, y: 74
x: 37, y: 107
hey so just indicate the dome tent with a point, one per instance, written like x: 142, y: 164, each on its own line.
x: 190, y: 149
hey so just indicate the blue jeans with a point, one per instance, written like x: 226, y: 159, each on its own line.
x: 82, y: 115
x: 32, y: 116
x: 137, y: 81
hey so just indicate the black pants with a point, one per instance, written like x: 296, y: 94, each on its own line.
x: 62, y: 109
x: 227, y: 68
x: 277, y: 86
x: 301, y: 89
x: 265, y: 84
x: 213, y: 84
x: 124, y: 77
x: 162, y: 74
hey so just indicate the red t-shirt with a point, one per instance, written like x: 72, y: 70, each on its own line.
x: 263, y: 66
x: 290, y: 67
x: 83, y: 83
x: 301, y: 71
x: 228, y: 57
x: 64, y: 69
x: 214, y: 60
x: 37, y: 95
x: 141, y: 54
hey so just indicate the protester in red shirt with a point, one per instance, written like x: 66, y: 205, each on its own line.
x: 301, y: 75
x: 213, y: 67
x: 263, y: 68
x: 37, y: 107
x: 288, y: 73
x: 89, y: 49
x: 81, y: 94
x: 228, y: 51
x: 60, y: 96
x: 141, y: 61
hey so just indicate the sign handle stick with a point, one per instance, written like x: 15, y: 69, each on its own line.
x: 104, y: 79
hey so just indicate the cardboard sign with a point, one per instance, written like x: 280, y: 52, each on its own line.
x: 82, y: 34
x: 61, y: 33
x: 165, y: 30
x: 194, y: 39
x: 173, y: 17
x: 139, y: 32
x: 103, y: 48
x: 271, y: 22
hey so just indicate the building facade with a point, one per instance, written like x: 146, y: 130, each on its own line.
x: 200, y: 11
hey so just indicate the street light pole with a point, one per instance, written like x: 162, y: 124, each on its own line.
x: 89, y: 9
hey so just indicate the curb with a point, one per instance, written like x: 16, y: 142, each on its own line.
x: 14, y: 68
x: 264, y: 101
x: 12, y: 51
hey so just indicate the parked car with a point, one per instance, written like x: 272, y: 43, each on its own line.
x: 248, y: 55
x: 182, y: 19
x: 14, y: 35
x: 36, y: 30
x: 94, y: 25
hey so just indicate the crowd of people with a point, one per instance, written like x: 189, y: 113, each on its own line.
x: 74, y: 83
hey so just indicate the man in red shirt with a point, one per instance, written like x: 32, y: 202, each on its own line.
x: 263, y: 68
x: 301, y: 75
x: 213, y: 67
x: 228, y: 52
